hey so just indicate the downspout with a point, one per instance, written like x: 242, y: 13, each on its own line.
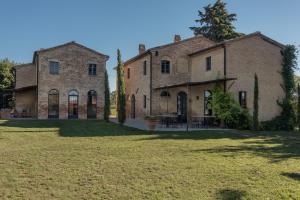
x: 37, y: 85
x: 225, y: 67
x: 151, y: 83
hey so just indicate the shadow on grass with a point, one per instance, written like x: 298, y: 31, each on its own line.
x: 277, y: 147
x: 295, y: 176
x: 71, y: 128
x: 229, y: 194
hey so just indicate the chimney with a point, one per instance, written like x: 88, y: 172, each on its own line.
x: 142, y: 48
x: 177, y: 38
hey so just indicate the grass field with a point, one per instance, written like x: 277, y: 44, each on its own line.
x: 98, y: 160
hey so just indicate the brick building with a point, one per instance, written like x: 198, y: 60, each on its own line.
x: 178, y: 78
x: 65, y: 82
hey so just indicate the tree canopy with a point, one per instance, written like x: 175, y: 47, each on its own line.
x: 216, y: 23
x: 121, y: 90
x: 6, y: 74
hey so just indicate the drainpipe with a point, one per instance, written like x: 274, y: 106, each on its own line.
x: 225, y: 67
x: 150, y: 82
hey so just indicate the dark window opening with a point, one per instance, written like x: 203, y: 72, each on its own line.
x: 145, y: 101
x: 92, y: 105
x: 73, y: 104
x: 165, y: 66
x: 53, y: 104
x: 145, y: 68
x: 53, y: 67
x: 156, y: 53
x: 243, y: 99
x: 208, y: 63
x: 128, y: 73
x: 165, y: 94
x: 92, y: 69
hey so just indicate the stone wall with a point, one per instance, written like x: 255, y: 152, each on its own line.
x: 73, y: 75
x: 25, y: 76
x: 26, y: 103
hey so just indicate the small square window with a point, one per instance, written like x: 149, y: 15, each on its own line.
x: 54, y: 67
x: 92, y: 69
x: 208, y: 63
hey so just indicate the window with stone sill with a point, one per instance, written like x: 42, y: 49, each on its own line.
x: 92, y: 69
x: 54, y: 67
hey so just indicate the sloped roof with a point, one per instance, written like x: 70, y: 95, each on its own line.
x: 238, y: 39
x: 163, y: 46
x: 66, y: 44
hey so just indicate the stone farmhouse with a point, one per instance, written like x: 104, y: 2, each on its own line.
x: 178, y: 78
x: 65, y: 82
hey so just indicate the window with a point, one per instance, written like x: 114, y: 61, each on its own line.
x: 145, y: 101
x: 145, y: 68
x: 243, y: 99
x: 73, y: 104
x: 165, y: 66
x: 128, y: 73
x: 92, y: 69
x: 208, y: 63
x: 156, y: 53
x: 207, y: 103
x: 53, y: 104
x: 54, y: 67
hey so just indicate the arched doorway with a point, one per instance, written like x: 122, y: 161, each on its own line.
x: 92, y: 105
x: 73, y: 105
x: 182, y: 106
x: 207, y: 103
x: 53, y: 104
x: 132, y: 106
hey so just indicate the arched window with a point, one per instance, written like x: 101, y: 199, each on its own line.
x: 53, y: 104
x: 165, y: 66
x: 92, y: 104
x: 207, y: 103
x: 73, y: 104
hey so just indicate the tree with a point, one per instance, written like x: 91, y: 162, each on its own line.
x: 216, y: 23
x: 255, y: 104
x: 120, y: 90
x: 287, y: 117
x: 6, y: 74
x: 298, y: 107
x: 227, y: 110
x: 107, y: 98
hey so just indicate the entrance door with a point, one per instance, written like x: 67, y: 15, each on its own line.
x: 132, y: 106
x: 182, y: 106
x: 92, y: 105
x: 73, y: 105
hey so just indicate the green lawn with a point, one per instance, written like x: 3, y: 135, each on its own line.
x: 97, y: 160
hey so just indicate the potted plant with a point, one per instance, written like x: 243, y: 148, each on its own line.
x: 151, y: 121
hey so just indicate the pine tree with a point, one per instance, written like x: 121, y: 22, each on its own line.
x: 255, y: 104
x: 121, y: 90
x: 216, y: 23
x: 107, y: 98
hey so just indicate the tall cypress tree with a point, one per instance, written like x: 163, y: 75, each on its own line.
x: 255, y: 104
x: 298, y: 107
x: 107, y: 98
x: 121, y: 90
x: 216, y: 23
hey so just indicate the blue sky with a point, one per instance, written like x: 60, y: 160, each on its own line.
x: 107, y: 25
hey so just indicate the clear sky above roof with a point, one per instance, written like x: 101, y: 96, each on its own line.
x: 29, y: 25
